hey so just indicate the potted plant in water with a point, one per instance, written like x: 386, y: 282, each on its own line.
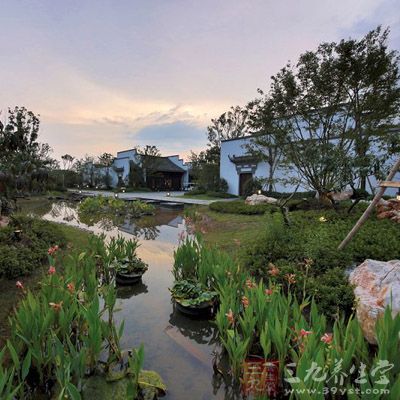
x: 193, y: 298
x: 193, y: 290
x: 129, y: 267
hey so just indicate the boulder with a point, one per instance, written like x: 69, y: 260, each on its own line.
x: 389, y: 209
x: 4, y: 221
x: 255, y: 199
x: 377, y: 285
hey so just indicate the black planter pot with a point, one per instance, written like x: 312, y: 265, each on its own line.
x: 201, y: 310
x: 129, y: 278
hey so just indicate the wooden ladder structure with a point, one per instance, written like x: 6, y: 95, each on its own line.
x: 382, y: 187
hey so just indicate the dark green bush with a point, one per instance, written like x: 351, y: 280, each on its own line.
x: 240, y: 207
x: 22, y: 253
x: 295, y: 196
x: 222, y: 195
x: 308, y: 237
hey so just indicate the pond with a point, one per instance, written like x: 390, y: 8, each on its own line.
x: 178, y: 348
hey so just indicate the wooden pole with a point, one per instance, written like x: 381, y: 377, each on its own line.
x: 368, y: 211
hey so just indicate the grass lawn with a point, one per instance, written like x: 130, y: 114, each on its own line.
x: 231, y: 231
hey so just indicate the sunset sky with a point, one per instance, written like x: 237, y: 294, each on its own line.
x: 109, y: 75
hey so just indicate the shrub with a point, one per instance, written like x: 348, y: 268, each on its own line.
x: 308, y: 237
x: 294, y: 196
x: 22, y: 254
x: 222, y: 195
x: 240, y: 207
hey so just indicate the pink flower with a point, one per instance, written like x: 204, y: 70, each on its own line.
x: 304, y: 333
x: 71, y: 287
x: 268, y: 292
x: 290, y: 278
x: 230, y: 317
x: 51, y: 270
x: 19, y: 285
x: 245, y: 301
x: 56, y: 306
x: 273, y: 270
x: 250, y: 284
x: 327, y: 338
x: 52, y: 250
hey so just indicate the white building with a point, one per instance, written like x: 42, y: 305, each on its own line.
x: 238, y: 165
x: 168, y: 173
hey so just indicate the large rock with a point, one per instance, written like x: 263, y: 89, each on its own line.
x: 377, y: 285
x: 389, y: 209
x: 255, y: 199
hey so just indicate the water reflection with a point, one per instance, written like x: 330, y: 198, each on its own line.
x: 179, y: 348
x: 146, y: 227
x: 126, y: 292
x: 202, y: 331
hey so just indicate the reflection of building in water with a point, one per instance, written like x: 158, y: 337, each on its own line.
x: 147, y: 227
x: 176, y: 221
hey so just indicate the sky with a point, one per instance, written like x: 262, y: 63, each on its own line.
x: 111, y: 75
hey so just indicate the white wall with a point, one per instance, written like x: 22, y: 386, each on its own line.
x: 237, y: 148
x: 228, y: 169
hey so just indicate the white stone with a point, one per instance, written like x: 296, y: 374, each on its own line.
x: 377, y: 285
x: 260, y: 199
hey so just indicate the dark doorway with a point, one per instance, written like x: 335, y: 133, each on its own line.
x: 243, y: 179
x: 165, y: 181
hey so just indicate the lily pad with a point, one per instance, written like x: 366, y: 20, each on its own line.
x: 98, y: 388
x: 151, y: 384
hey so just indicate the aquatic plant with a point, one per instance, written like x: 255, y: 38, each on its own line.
x: 60, y: 333
x: 100, y: 205
x: 191, y: 294
x: 196, y: 270
x: 126, y: 259
x: 259, y: 320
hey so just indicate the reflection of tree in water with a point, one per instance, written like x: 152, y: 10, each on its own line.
x: 147, y: 233
x: 147, y: 227
x: 105, y: 221
x: 126, y: 292
x: 201, y: 331
x: 64, y: 210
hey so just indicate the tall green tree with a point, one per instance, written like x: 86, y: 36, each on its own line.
x: 261, y: 118
x: 106, y: 160
x: 371, y: 77
x: 229, y: 125
x: 149, y: 160
x: 67, y: 163
x: 21, y: 155
x: 311, y: 120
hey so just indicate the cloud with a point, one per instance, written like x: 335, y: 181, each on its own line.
x: 172, y: 138
x: 105, y: 75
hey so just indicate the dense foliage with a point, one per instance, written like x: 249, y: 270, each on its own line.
x: 195, y: 271
x: 257, y: 320
x: 93, y: 207
x: 24, y: 162
x: 240, y: 207
x: 65, y: 332
x: 314, y: 236
x: 24, y: 244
